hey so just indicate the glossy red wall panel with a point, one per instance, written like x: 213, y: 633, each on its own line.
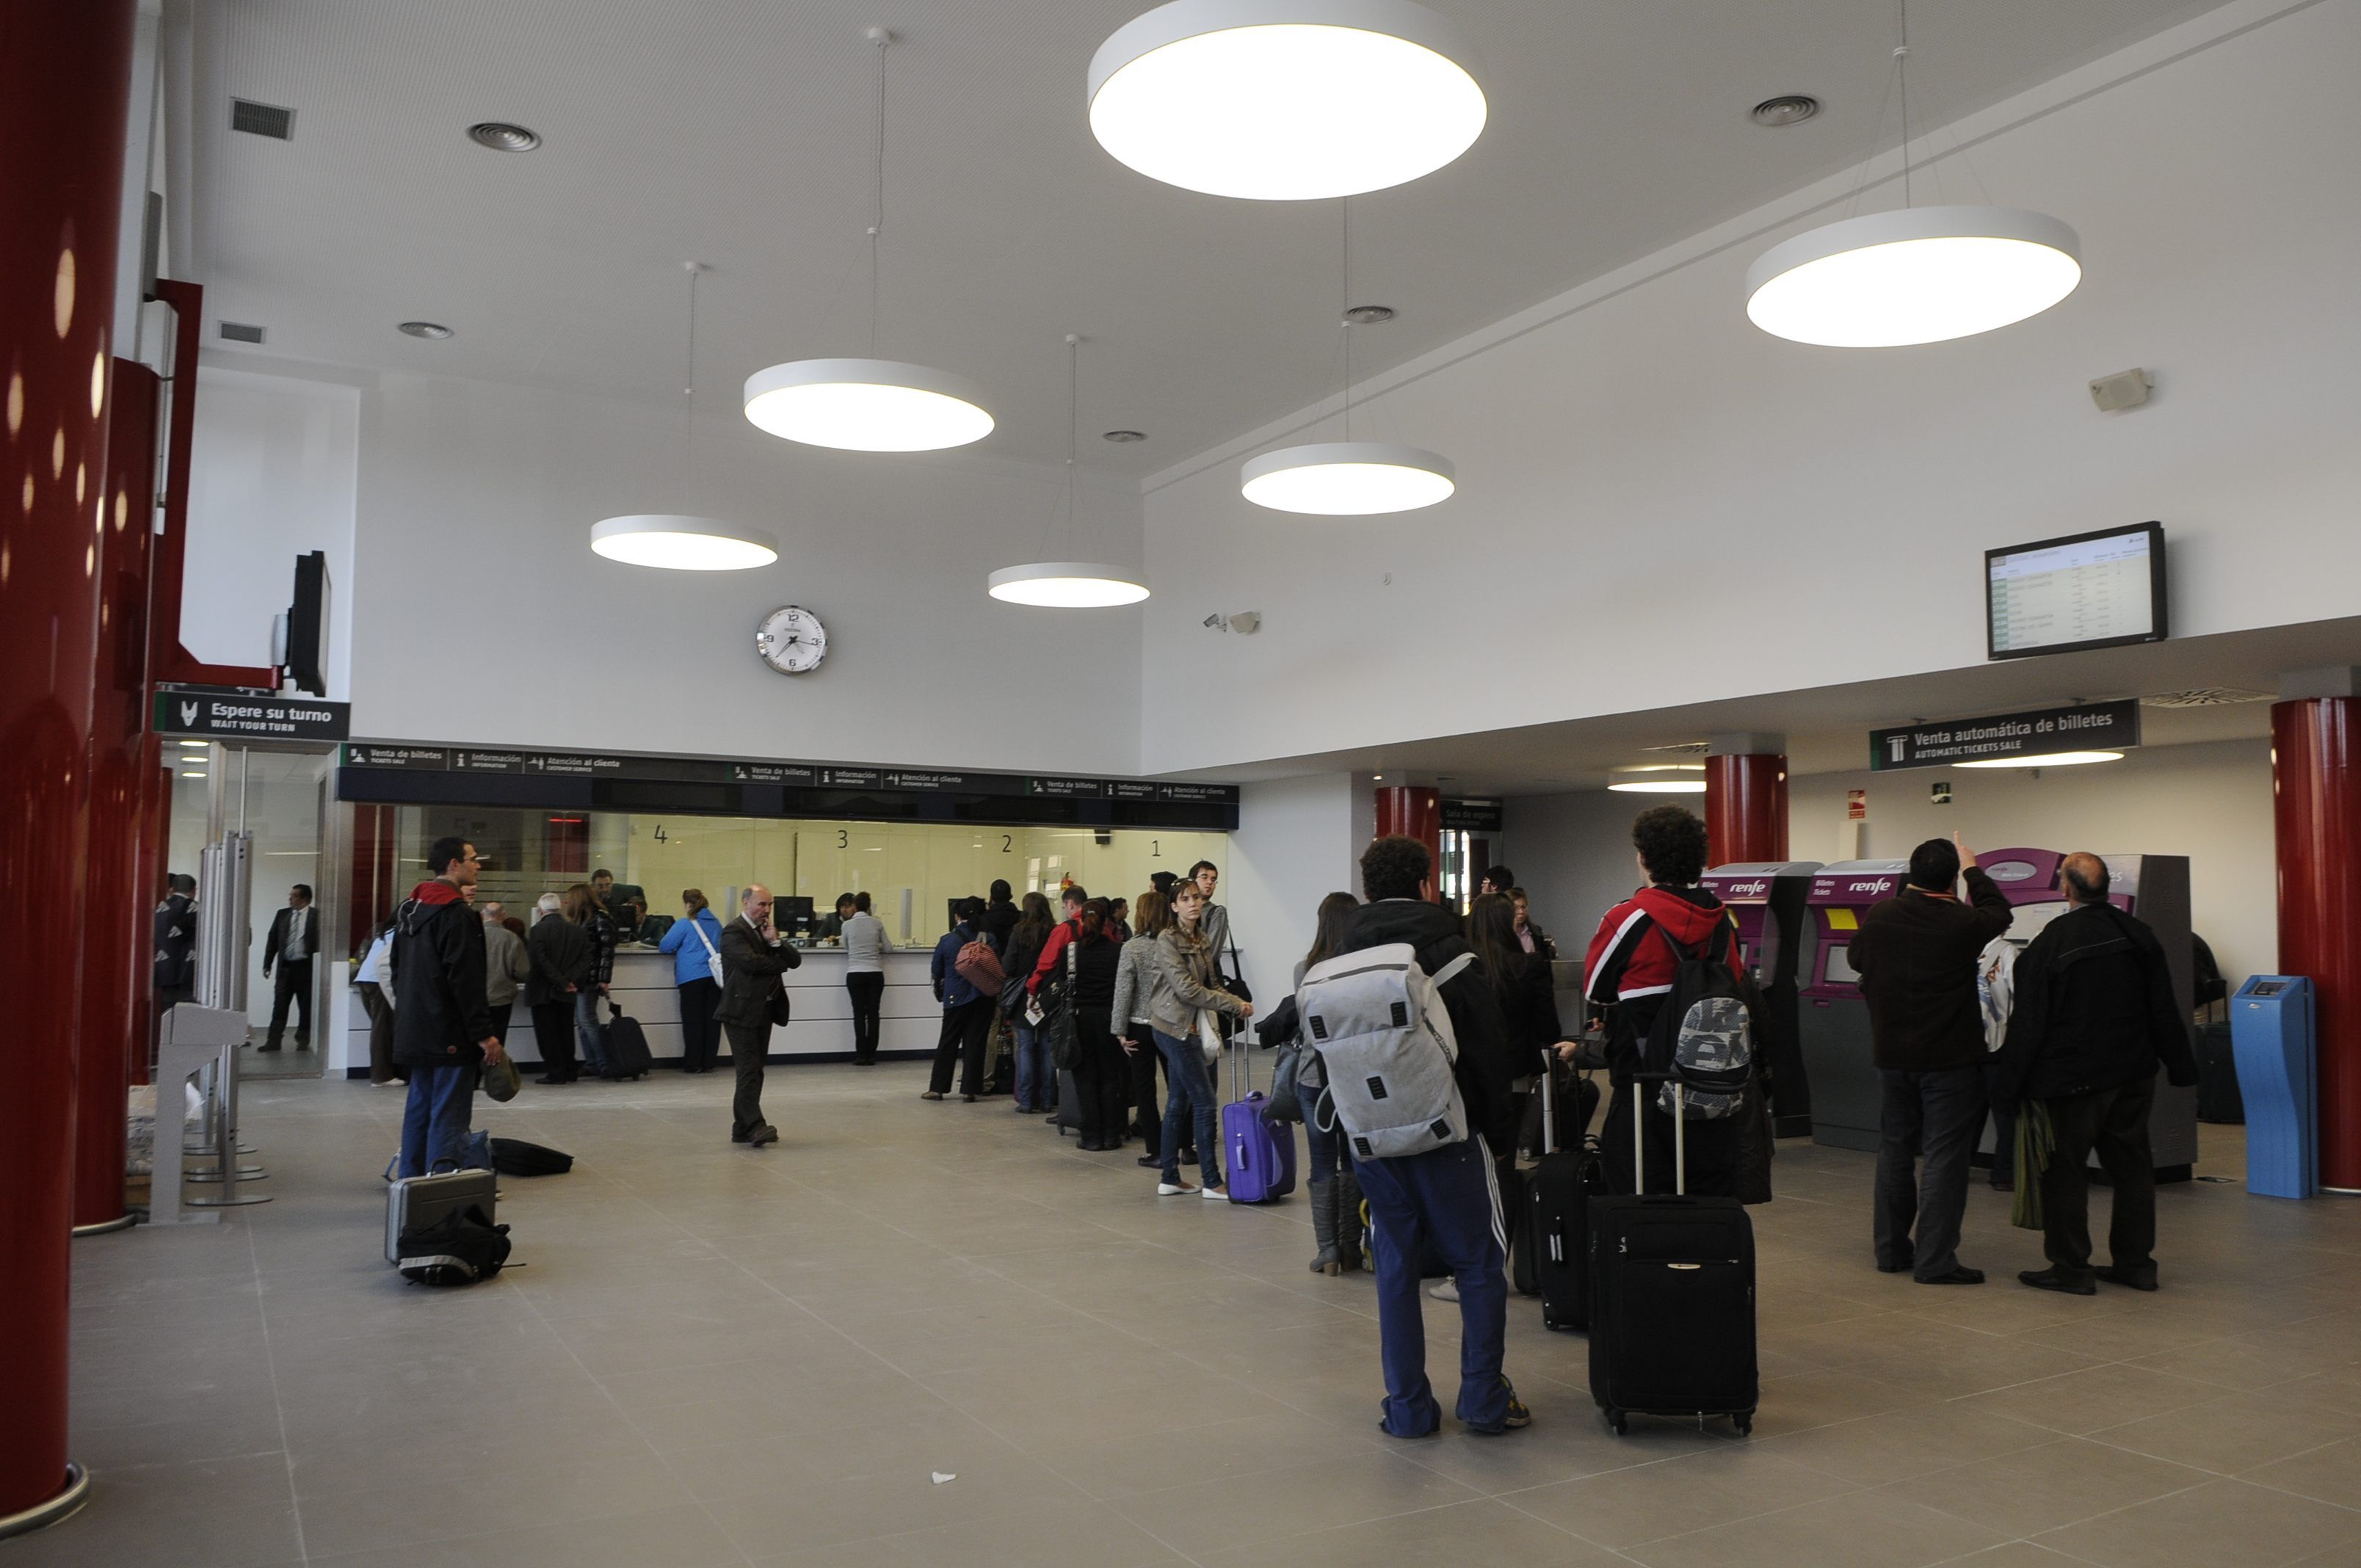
x: 1746, y: 809
x: 2316, y: 818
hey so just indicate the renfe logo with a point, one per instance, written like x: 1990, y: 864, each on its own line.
x: 1880, y: 886
x: 1747, y: 889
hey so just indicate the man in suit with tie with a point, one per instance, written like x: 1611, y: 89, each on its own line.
x: 295, y: 939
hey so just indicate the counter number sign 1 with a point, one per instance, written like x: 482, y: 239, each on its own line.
x: 791, y: 641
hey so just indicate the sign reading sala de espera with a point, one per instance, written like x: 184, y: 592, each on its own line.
x: 2094, y: 726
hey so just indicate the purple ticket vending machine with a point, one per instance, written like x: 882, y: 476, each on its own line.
x: 1766, y: 898
x: 2155, y: 890
x: 1833, y: 1016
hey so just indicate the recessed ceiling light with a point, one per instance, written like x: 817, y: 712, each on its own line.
x: 1124, y: 437
x: 502, y: 136
x: 1787, y: 109
x: 1367, y: 315
x: 434, y: 330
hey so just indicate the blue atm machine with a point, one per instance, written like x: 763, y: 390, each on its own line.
x: 2271, y: 1036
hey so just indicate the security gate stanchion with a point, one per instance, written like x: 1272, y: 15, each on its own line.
x: 225, y: 869
x: 190, y: 1046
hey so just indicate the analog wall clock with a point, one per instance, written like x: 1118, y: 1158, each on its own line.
x: 792, y: 640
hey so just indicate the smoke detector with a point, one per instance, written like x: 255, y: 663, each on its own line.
x: 435, y: 331
x: 1367, y: 315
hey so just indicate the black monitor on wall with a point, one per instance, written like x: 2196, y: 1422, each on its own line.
x: 2086, y: 590
x: 307, y: 625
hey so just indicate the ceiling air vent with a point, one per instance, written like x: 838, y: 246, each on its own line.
x: 2204, y: 697
x: 1682, y: 749
x: 261, y: 119
x: 241, y: 332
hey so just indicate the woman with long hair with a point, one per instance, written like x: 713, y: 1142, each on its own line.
x: 1101, y: 1075
x: 1134, y: 990
x: 1335, y: 1191
x: 585, y: 911
x: 1188, y: 991
x: 1036, y: 1081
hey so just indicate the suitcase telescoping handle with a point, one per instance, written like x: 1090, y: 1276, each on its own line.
x: 1680, y: 1139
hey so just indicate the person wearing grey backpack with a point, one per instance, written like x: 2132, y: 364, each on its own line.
x: 1418, y: 1072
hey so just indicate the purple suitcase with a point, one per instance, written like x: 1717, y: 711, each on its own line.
x: 1259, y: 1157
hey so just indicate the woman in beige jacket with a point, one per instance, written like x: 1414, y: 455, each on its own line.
x: 1187, y: 989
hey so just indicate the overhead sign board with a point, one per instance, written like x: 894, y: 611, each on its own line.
x: 230, y: 714
x: 1471, y: 817
x: 2094, y: 726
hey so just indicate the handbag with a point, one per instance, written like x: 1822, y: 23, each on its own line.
x: 712, y: 953
x: 1064, y: 1028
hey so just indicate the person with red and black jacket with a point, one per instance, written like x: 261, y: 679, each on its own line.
x: 1630, y: 969
x: 1053, y: 951
x: 442, y: 1024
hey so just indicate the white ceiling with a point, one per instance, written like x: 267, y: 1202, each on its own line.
x: 738, y: 132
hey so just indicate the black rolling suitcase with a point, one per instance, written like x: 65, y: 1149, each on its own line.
x: 626, y: 1045
x: 1069, y: 1104
x: 1672, y: 1305
x: 1555, y: 1229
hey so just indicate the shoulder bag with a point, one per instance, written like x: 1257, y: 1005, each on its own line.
x: 1058, y: 1007
x: 712, y: 953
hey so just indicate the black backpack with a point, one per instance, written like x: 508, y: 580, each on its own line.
x: 514, y: 1156
x: 1703, y: 1036
x: 458, y: 1249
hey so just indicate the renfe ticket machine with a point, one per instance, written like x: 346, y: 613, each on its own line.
x: 1766, y: 899
x: 1833, y: 1016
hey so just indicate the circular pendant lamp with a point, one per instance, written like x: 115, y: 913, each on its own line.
x: 1285, y: 100
x: 1658, y: 778
x: 1347, y: 478
x: 1916, y: 275
x: 865, y: 405
x: 683, y: 543
x: 1067, y: 585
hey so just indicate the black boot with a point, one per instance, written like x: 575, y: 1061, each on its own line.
x: 1323, y: 1227
x: 1349, y: 1229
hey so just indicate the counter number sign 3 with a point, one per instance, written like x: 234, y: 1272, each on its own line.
x: 792, y: 640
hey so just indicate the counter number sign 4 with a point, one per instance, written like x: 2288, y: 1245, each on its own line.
x: 792, y: 640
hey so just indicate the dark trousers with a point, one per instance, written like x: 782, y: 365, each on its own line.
x: 1933, y: 1117
x: 2113, y: 1123
x: 553, y: 1032
x: 1148, y: 1115
x: 1101, y: 1081
x: 502, y: 1014
x: 291, y: 982
x: 967, y: 1029
x: 1446, y: 1199
x: 382, y: 1066
x: 700, y: 1035
x: 867, y: 992
x: 2004, y: 1121
x: 748, y: 1044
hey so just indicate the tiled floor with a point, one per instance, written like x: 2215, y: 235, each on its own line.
x: 921, y: 1333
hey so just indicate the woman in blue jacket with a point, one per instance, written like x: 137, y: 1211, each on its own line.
x: 692, y: 941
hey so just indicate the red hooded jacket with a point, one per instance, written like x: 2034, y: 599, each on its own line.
x: 1629, y: 967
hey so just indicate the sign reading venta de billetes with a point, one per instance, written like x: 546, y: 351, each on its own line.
x: 2095, y: 727
x: 253, y: 716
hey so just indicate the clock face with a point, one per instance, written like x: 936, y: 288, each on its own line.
x: 792, y: 640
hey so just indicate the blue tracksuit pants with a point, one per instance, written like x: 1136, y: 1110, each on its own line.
x: 1449, y: 1199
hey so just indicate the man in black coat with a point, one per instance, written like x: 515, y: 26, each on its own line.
x: 442, y: 1024
x: 294, y: 939
x: 2094, y: 1016
x: 1916, y: 954
x: 175, y: 972
x: 752, y: 999
x: 562, y: 963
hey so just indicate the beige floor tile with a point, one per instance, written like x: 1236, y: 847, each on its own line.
x: 681, y: 1537
x: 2236, y: 1433
x: 1860, y: 1530
x: 2095, y: 1398
x: 2058, y: 1483
x: 1915, y: 1440
x: 1621, y: 1507
x: 1346, y: 1489
x: 2222, y: 1524
x: 1477, y: 1532
x: 2332, y: 1474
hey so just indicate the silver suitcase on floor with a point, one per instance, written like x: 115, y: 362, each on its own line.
x: 422, y: 1199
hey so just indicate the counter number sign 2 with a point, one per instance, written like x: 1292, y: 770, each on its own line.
x: 791, y: 641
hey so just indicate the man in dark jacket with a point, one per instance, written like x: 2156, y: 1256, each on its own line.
x: 442, y: 1024
x: 1916, y: 955
x: 562, y: 962
x: 2094, y: 1016
x: 1627, y: 973
x: 1001, y: 915
x: 295, y: 939
x: 752, y: 999
x: 967, y: 1012
x: 1448, y: 1198
x: 175, y: 972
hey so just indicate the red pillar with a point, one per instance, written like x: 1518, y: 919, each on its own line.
x: 115, y: 929
x: 65, y: 78
x: 1414, y: 812
x: 2316, y: 817
x: 1746, y: 809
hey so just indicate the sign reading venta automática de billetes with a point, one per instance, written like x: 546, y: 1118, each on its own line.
x: 232, y: 714
x: 2094, y: 726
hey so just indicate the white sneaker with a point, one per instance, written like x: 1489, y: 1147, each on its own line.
x: 1445, y: 1291
x: 1221, y: 1193
x: 1173, y: 1189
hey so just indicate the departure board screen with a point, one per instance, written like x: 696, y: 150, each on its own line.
x: 2090, y: 590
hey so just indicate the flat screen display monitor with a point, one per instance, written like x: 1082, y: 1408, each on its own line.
x: 2087, y: 590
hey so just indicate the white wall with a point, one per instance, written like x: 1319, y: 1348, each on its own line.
x: 2211, y: 803
x: 1640, y: 468
x: 485, y: 617
x: 270, y: 478
x: 1298, y: 839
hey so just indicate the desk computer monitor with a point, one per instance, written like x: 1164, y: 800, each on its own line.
x: 790, y: 916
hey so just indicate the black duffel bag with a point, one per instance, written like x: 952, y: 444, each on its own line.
x: 514, y: 1156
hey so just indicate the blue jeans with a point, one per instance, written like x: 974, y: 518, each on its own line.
x: 1036, y: 1080
x: 586, y: 1027
x: 434, y: 1119
x: 1446, y: 1197
x: 1192, y: 1094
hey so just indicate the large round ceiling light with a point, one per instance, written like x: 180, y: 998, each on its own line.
x: 1066, y: 585
x: 2049, y: 759
x: 1658, y: 778
x: 866, y: 405
x: 1285, y: 100
x: 1347, y: 478
x: 683, y: 543
x: 1913, y: 275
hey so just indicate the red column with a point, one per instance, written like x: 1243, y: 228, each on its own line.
x: 65, y: 78
x: 1414, y: 812
x: 1746, y: 809
x: 114, y: 929
x: 2316, y: 816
